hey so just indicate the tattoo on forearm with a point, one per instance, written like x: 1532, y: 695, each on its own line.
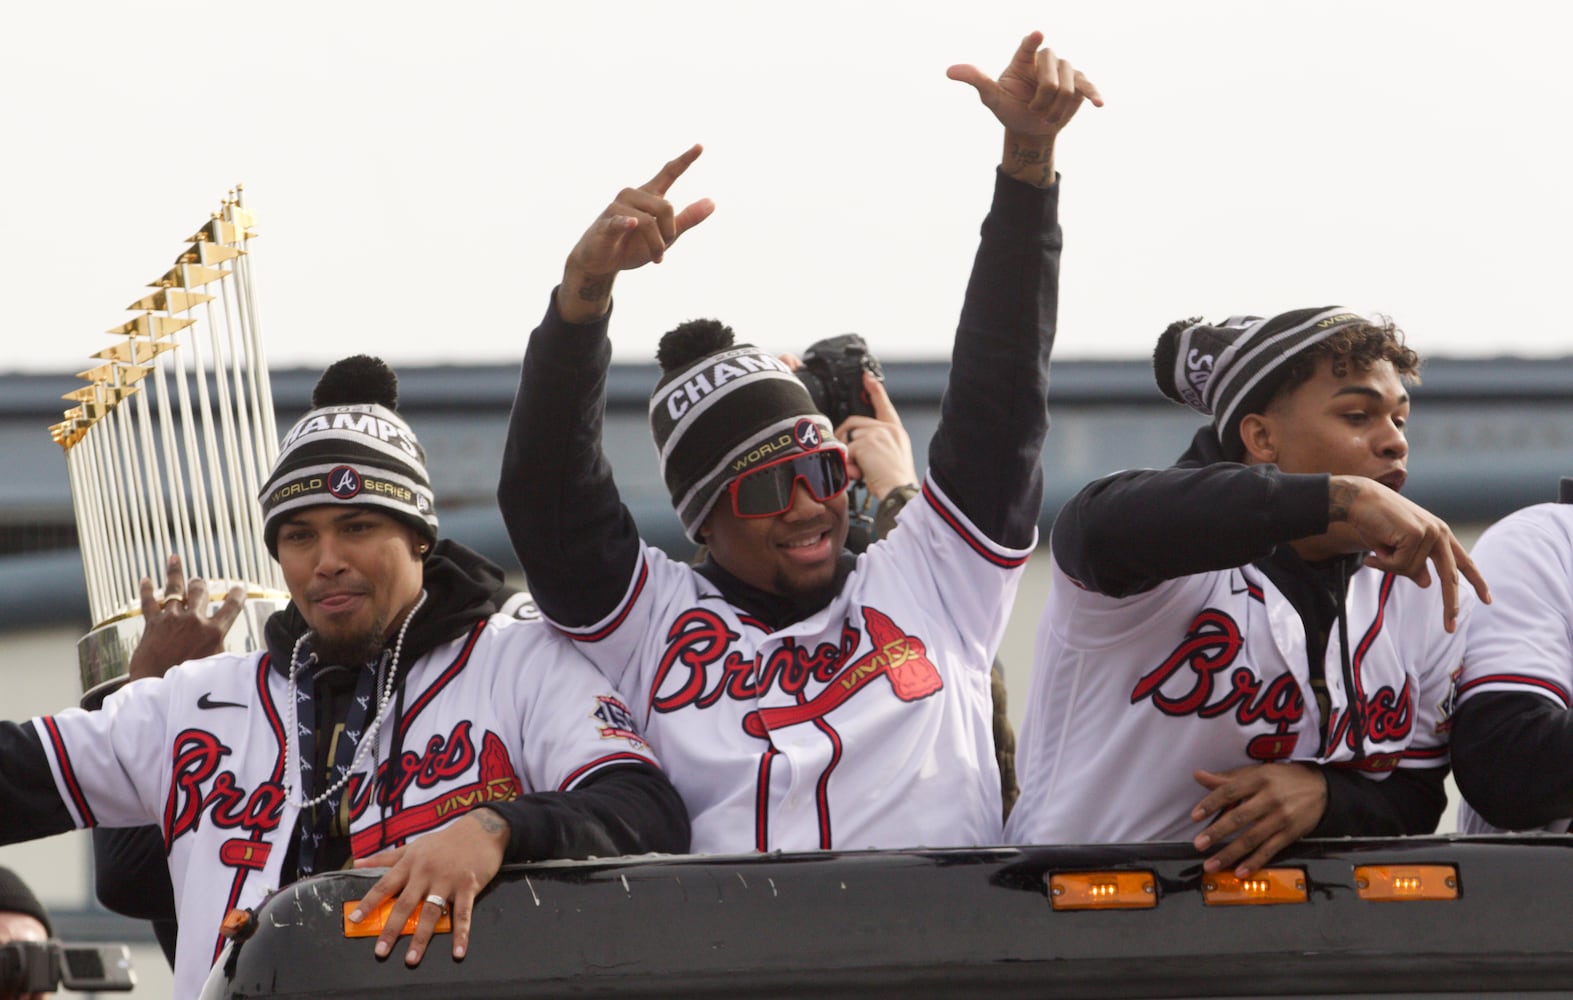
x: 595, y: 289
x: 1340, y: 497
x: 490, y: 821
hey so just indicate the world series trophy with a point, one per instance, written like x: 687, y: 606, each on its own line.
x: 167, y: 445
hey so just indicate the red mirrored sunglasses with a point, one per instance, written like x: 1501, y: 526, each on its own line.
x: 767, y: 490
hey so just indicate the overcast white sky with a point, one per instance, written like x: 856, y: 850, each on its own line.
x: 421, y: 169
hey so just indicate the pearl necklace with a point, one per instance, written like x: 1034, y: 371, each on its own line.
x: 291, y: 740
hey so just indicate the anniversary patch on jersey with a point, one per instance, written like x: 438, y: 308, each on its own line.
x: 1449, y: 704
x: 617, y: 722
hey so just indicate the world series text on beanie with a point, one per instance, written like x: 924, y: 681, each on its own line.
x: 351, y: 448
x: 721, y: 409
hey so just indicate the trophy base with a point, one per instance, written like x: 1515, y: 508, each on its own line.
x: 104, y: 654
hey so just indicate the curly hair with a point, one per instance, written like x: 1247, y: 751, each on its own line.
x: 1359, y: 346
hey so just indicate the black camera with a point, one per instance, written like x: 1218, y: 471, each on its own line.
x: 833, y: 374
x: 43, y: 966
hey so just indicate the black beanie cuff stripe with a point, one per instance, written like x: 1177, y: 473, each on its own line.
x: 380, y: 485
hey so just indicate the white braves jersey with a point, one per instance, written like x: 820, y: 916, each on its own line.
x: 507, y: 710
x: 865, y: 725
x: 1131, y: 695
x: 1523, y: 640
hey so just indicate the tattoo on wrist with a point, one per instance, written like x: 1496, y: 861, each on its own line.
x: 1340, y: 497
x: 1030, y: 156
x: 490, y: 821
x: 595, y: 289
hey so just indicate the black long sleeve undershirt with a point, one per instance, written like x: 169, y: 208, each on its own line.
x: 1409, y: 801
x: 578, y: 544
x: 629, y: 809
x: 33, y: 807
x: 1128, y: 532
x: 986, y: 453
x: 576, y: 541
x: 131, y: 878
x: 1513, y: 754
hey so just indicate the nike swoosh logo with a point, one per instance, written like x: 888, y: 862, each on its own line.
x: 206, y: 701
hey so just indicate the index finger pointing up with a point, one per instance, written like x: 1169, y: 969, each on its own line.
x: 673, y: 170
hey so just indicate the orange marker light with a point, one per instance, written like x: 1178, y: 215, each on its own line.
x: 238, y: 925
x: 1103, y: 891
x: 1265, y: 888
x: 1402, y: 883
x: 377, y: 919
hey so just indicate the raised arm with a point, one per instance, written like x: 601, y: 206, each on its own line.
x: 986, y: 453
x: 576, y: 541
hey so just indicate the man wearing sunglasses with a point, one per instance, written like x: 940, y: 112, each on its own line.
x: 802, y: 698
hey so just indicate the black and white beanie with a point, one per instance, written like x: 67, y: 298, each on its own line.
x: 351, y: 448
x: 721, y: 409
x: 1232, y: 369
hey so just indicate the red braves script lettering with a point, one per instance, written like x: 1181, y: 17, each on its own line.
x: 699, y: 640
x: 197, y: 755
x: 443, y: 760
x: 497, y: 781
x: 1188, y: 681
x: 1389, y: 717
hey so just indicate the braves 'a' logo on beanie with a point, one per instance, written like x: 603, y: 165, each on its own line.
x: 344, y: 482
x: 807, y: 434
